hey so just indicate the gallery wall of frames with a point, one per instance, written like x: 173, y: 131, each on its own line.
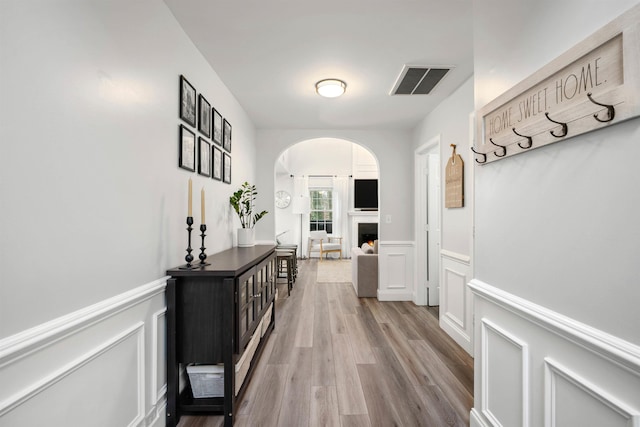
x: 205, y: 142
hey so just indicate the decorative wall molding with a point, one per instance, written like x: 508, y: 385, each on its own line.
x: 29, y: 392
x: 488, y: 328
x: 577, y: 375
x: 30, y: 340
x: 621, y: 352
x: 395, y: 270
x: 456, y: 308
x: 157, y: 394
x: 555, y: 371
x: 459, y: 316
x: 455, y: 256
x: 83, y: 343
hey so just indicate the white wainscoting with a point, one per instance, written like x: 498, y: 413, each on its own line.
x: 395, y: 264
x: 536, y: 367
x: 102, y: 365
x: 456, y: 308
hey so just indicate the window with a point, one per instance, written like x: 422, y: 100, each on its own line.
x: 321, y: 217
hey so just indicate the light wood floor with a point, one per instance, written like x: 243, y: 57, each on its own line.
x: 336, y: 360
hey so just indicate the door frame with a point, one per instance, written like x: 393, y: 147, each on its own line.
x: 430, y: 146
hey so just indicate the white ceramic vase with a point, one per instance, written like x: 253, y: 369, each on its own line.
x: 246, y: 237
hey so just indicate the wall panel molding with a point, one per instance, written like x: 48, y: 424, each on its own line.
x: 489, y: 328
x: 58, y: 375
x: 456, y: 309
x: 54, y: 358
x: 23, y: 343
x: 455, y: 256
x: 395, y: 275
x: 157, y: 328
x: 572, y: 374
x: 620, y: 351
x: 555, y: 371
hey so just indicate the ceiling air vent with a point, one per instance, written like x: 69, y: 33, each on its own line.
x: 418, y: 80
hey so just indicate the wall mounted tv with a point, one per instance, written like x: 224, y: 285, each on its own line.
x: 365, y: 194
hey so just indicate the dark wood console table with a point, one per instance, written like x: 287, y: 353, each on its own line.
x: 221, y: 313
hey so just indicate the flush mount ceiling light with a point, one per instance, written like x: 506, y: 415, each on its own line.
x: 330, y: 88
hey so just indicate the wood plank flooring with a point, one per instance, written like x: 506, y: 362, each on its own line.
x: 337, y: 360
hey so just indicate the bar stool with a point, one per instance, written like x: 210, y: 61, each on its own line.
x: 294, y: 248
x: 286, y: 256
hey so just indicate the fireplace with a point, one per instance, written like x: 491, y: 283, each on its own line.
x: 367, y: 232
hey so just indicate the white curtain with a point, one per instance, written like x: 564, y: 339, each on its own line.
x: 340, y: 216
x: 301, y: 197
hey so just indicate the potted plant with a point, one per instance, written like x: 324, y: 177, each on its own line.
x: 242, y: 202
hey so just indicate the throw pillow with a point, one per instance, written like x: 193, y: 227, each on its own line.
x: 366, y: 248
x: 375, y: 246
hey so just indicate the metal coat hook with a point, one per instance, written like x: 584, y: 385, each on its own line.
x: 529, y: 140
x: 453, y: 154
x: 504, y: 149
x: 611, y: 111
x: 484, y: 156
x: 565, y: 128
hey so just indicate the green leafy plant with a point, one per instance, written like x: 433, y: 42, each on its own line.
x: 242, y: 202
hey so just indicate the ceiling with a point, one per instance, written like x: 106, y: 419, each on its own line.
x: 270, y: 54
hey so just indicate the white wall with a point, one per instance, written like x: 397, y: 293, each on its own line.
x: 93, y: 201
x: 557, y: 242
x: 392, y: 150
x: 450, y: 121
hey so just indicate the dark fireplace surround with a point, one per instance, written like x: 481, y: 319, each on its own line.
x: 367, y: 232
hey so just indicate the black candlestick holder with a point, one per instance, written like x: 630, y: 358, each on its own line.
x: 189, y: 257
x: 202, y: 255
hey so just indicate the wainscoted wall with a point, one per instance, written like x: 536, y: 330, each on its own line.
x: 101, y: 366
x: 540, y: 368
x: 395, y: 261
x: 456, y: 305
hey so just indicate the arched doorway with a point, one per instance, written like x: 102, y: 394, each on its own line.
x: 306, y: 172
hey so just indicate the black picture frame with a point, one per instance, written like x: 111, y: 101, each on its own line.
x: 226, y: 136
x: 216, y: 172
x: 204, y: 157
x: 226, y: 167
x: 204, y: 116
x: 217, y: 127
x: 187, y: 156
x: 187, y: 101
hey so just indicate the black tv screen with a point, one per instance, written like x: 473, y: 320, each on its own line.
x: 365, y: 194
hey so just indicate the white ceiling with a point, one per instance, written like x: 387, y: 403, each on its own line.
x: 270, y: 53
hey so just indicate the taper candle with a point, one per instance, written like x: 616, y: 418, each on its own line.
x: 190, y: 213
x: 202, y: 204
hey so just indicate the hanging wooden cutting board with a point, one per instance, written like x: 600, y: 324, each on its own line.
x: 454, y: 181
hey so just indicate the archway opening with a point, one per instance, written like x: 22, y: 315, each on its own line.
x: 315, y: 182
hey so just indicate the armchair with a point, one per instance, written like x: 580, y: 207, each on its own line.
x: 320, y: 241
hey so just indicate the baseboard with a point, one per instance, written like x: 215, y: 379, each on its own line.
x: 391, y: 295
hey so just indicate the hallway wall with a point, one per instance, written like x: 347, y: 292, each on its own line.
x: 451, y: 122
x: 94, y: 204
x: 557, y: 242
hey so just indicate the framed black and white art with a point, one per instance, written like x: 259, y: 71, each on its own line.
x: 187, y: 102
x: 226, y: 169
x: 217, y: 163
x: 187, y: 149
x: 204, y: 116
x: 204, y: 154
x: 217, y: 127
x: 226, y: 136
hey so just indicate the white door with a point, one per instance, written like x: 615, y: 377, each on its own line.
x: 427, y: 222
x: 432, y: 228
